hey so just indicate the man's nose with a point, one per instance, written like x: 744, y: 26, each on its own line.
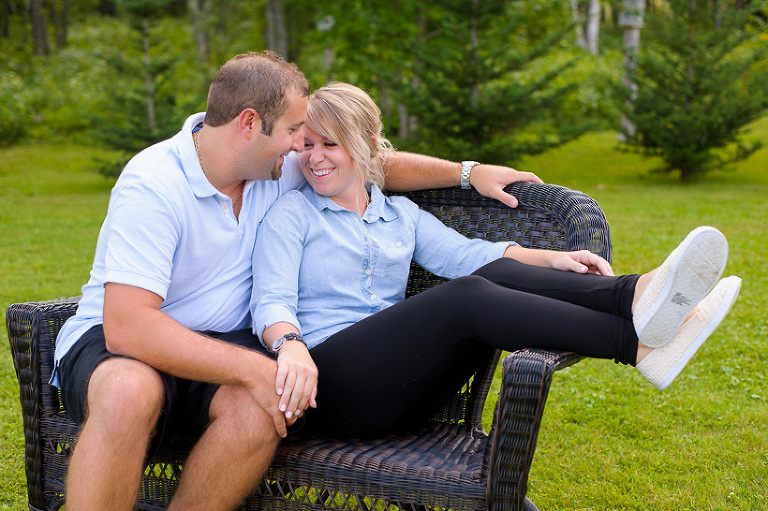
x: 298, y: 141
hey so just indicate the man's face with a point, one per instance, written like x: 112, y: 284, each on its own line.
x: 286, y: 137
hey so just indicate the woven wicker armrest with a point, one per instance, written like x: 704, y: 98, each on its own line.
x: 32, y: 330
x: 526, y: 378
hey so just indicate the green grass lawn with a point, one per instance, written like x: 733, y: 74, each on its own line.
x: 609, y: 441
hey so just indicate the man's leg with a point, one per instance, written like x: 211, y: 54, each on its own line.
x: 125, y: 398
x: 231, y: 457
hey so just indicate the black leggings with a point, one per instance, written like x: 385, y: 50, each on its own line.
x: 397, y: 367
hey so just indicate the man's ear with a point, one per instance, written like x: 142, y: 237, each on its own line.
x: 249, y: 122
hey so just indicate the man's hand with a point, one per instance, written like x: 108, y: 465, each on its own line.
x: 268, y: 400
x: 296, y: 379
x: 490, y: 181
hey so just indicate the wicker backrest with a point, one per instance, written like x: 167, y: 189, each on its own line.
x: 548, y: 217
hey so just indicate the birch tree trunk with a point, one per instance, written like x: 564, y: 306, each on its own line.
x: 631, y: 19
x: 580, y: 40
x: 276, y: 37
x: 148, y: 78
x: 593, y: 27
x: 198, y: 13
x: 60, y: 14
x: 408, y: 122
x: 39, y: 29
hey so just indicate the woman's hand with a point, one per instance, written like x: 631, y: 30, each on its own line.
x: 296, y: 379
x: 582, y: 261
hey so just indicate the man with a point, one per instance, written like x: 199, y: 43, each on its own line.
x: 160, y: 340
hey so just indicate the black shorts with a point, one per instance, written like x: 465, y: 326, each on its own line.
x: 186, y: 402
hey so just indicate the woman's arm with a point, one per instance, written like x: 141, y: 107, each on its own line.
x: 296, y: 380
x: 276, y: 261
x: 582, y: 261
x: 409, y: 171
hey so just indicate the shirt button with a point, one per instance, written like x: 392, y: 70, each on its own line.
x: 374, y: 240
x: 398, y: 244
x: 373, y: 297
x: 368, y: 272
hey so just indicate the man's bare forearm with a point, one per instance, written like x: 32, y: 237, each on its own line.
x: 410, y: 171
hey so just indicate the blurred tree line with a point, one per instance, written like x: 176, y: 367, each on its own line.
x: 491, y: 80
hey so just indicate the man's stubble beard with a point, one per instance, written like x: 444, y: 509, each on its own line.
x: 277, y: 171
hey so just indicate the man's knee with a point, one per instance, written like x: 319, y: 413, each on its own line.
x: 237, y: 411
x: 125, y: 396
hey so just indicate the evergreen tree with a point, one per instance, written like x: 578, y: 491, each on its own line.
x: 476, y: 94
x: 701, y: 78
x: 142, y: 109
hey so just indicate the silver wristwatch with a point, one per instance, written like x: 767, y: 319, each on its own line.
x: 280, y: 342
x: 466, y: 168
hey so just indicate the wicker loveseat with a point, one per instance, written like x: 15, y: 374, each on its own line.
x: 452, y: 464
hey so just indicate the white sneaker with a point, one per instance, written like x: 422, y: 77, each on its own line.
x: 683, y: 279
x: 662, y: 365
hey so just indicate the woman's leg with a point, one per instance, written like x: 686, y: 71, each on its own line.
x: 404, y: 362
x: 609, y: 294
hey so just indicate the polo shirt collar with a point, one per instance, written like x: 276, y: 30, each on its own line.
x: 200, y: 185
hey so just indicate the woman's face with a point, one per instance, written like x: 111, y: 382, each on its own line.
x: 329, y: 169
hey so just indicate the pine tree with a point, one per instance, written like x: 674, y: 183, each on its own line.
x: 143, y: 108
x: 470, y: 86
x: 701, y: 78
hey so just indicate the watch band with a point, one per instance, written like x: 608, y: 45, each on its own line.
x: 466, y: 168
x: 280, y: 341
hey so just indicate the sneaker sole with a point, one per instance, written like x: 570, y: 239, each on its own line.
x: 722, y: 311
x: 700, y: 261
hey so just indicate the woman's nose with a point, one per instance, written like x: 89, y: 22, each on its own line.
x: 316, y: 155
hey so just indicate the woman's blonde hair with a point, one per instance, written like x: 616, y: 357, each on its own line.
x: 347, y: 115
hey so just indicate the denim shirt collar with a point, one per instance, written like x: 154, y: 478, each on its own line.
x: 378, y: 208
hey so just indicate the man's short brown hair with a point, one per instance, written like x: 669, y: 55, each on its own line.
x: 254, y: 80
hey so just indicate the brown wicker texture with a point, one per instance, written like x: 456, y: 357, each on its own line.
x: 451, y: 464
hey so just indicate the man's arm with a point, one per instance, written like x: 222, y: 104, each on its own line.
x: 409, y: 171
x: 134, y: 326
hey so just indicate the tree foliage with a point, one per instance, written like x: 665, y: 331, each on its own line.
x: 490, y: 80
x: 701, y: 77
x: 476, y: 92
x: 460, y: 79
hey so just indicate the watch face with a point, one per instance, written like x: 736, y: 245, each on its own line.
x: 278, y: 344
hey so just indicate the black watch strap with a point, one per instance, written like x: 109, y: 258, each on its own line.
x: 280, y: 341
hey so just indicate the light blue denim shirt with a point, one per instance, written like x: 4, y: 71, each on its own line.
x: 322, y: 268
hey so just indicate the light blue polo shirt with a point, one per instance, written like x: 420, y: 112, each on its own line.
x: 169, y: 231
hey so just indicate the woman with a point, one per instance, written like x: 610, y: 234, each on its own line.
x: 331, y: 266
